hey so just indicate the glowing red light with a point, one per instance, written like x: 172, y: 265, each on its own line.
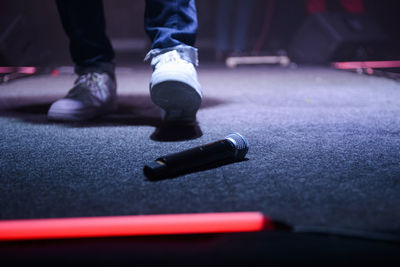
x: 316, y: 6
x: 7, y: 69
x: 134, y: 225
x: 353, y: 6
x: 366, y: 64
x: 55, y: 72
x: 24, y: 70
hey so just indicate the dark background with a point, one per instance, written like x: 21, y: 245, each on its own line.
x: 31, y: 33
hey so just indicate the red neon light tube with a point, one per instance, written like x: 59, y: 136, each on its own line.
x: 134, y: 225
x: 25, y: 70
x: 366, y: 64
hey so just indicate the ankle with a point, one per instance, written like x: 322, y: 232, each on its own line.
x: 187, y: 53
x: 99, y: 67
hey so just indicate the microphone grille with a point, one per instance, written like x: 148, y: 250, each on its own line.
x: 239, y: 143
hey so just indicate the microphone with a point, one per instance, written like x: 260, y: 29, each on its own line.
x: 233, y: 147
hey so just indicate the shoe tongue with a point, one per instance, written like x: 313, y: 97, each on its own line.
x: 87, y: 77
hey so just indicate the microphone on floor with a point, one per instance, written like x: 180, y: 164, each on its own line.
x: 233, y: 147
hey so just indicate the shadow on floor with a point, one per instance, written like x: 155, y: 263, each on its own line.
x: 171, y: 174
x: 133, y: 110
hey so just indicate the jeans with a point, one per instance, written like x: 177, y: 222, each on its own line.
x: 170, y: 24
x: 240, y: 17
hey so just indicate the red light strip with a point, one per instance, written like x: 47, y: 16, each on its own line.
x: 24, y: 70
x: 366, y: 64
x: 134, y: 225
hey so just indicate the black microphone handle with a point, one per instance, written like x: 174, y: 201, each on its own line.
x: 234, y: 146
x: 176, y: 163
x: 199, y: 156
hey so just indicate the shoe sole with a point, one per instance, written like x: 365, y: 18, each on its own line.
x: 179, y: 97
x: 179, y: 100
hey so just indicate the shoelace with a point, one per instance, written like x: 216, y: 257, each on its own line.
x: 92, y: 81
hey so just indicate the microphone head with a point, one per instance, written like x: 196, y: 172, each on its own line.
x: 240, y: 144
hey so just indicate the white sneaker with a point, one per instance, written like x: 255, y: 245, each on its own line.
x: 174, y: 88
x: 93, y: 95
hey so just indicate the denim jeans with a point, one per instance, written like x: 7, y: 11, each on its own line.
x: 238, y: 14
x: 170, y: 24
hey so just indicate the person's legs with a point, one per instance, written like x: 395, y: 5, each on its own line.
x: 172, y: 27
x: 223, y: 42
x: 171, y: 22
x: 243, y: 14
x: 94, y: 92
x: 84, y: 24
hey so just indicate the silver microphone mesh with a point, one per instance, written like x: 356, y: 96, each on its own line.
x: 239, y: 143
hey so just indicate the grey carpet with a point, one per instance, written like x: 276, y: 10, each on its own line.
x: 324, y: 149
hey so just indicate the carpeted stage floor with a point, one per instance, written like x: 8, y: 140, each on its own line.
x: 324, y: 149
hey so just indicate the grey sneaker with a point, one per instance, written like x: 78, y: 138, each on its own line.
x: 174, y: 87
x: 93, y: 95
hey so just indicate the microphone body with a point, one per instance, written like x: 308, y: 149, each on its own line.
x: 233, y: 147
